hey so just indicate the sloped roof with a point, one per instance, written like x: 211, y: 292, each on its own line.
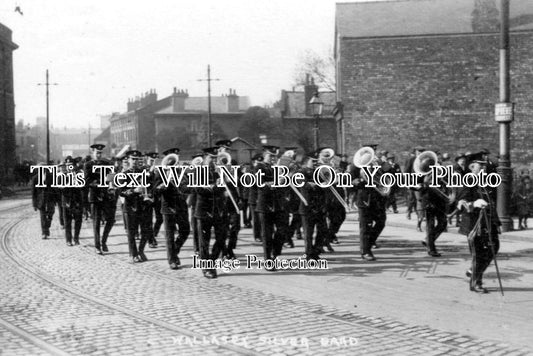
x: 427, y: 17
x: 219, y: 104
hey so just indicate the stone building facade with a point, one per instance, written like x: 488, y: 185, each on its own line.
x: 7, y: 104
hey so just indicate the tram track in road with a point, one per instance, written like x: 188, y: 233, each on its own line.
x: 8, y: 230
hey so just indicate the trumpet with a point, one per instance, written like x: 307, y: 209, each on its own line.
x: 365, y: 157
x: 422, y: 165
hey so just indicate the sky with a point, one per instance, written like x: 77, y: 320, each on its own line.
x: 102, y: 52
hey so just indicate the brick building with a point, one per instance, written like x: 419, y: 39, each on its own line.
x: 298, y: 121
x: 7, y: 104
x: 177, y: 120
x: 426, y: 72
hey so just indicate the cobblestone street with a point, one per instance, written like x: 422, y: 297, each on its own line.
x: 62, y: 300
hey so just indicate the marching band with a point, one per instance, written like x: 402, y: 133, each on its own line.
x: 276, y: 214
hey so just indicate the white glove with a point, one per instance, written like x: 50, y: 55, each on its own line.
x: 480, y: 203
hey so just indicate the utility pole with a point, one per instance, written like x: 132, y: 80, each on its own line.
x: 47, y: 117
x: 208, y: 80
x: 504, y: 113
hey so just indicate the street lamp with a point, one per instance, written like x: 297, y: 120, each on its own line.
x: 316, y: 107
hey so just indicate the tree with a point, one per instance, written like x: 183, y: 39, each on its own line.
x: 257, y: 121
x: 320, y: 67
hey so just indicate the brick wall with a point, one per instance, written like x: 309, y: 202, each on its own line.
x: 437, y: 91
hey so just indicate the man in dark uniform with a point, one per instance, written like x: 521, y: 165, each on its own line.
x: 191, y: 204
x: 273, y: 209
x: 413, y: 197
x: 257, y: 163
x: 43, y: 200
x: 72, y: 203
x: 372, y: 216
x: 103, y: 204
x: 392, y: 168
x: 150, y: 168
x: 480, y: 222
x: 210, y: 213
x: 138, y: 207
x: 173, y: 207
x: 313, y: 214
x: 57, y: 196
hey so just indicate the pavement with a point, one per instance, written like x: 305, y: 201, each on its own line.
x: 68, y: 300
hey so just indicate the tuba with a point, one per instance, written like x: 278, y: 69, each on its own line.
x: 422, y: 165
x: 197, y: 161
x: 223, y: 159
x: 365, y: 157
x: 171, y: 159
x: 325, y: 157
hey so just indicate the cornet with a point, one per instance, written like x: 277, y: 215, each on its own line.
x: 365, y: 157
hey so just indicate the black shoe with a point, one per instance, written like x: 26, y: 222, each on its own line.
x: 289, y: 244
x: 258, y: 240
x: 98, y: 251
x: 299, y: 236
x: 69, y: 244
x: 408, y: 216
x: 434, y: 254
x: 395, y: 211
x: 210, y: 274
x: 173, y: 266
x: 142, y: 256
x: 76, y: 242
x: 330, y: 249
x: 468, y: 273
x: 104, y: 248
x: 478, y: 288
x: 335, y: 241
x: 230, y: 255
x: 368, y: 257
x: 178, y: 262
x: 44, y: 237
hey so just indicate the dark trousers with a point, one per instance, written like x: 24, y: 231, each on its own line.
x: 194, y: 226
x: 436, y: 221
x: 102, y: 211
x: 234, y: 226
x: 309, y: 222
x: 336, y: 216
x: 273, y: 240
x: 246, y: 212
x: 46, y: 213
x: 204, y: 226
x: 174, y: 244
x: 61, y: 215
x: 158, y: 219
x: 391, y: 201
x: 482, y: 255
x: 256, y: 223
x: 295, y: 225
x: 143, y: 220
x: 371, y: 224
x: 69, y: 215
x: 411, y: 201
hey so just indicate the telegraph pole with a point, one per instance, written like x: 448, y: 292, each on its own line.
x: 208, y: 80
x: 47, y: 117
x: 504, y: 116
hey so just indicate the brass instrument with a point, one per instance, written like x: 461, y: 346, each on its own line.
x: 171, y: 159
x: 422, y: 165
x: 286, y: 160
x: 365, y: 157
x: 122, y: 152
x: 224, y: 159
x: 325, y: 157
x: 197, y: 161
